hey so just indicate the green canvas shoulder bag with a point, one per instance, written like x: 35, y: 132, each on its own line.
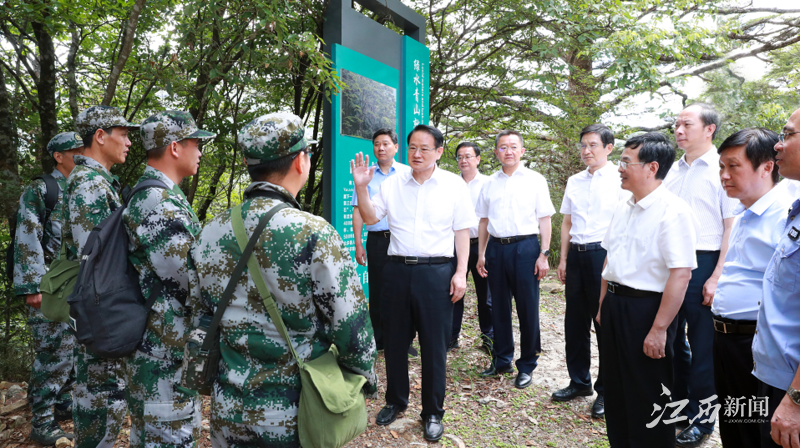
x: 57, y: 284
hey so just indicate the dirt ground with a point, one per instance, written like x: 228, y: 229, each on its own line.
x: 480, y: 412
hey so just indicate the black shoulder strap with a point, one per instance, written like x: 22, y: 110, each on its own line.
x: 270, y: 194
x: 241, y: 265
x: 52, y: 191
x: 143, y: 185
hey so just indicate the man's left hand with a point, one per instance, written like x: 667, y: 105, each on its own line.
x: 541, y: 267
x: 786, y: 424
x: 654, y: 343
x: 708, y: 290
x: 458, y: 285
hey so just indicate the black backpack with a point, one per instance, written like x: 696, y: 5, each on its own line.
x: 107, y: 311
x: 52, y: 191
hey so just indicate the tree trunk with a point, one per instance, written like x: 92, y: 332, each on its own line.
x: 212, y: 192
x: 46, y: 90
x: 9, y: 165
x: 72, y: 83
x: 124, y: 52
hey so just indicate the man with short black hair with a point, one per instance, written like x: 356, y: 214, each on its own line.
x: 162, y: 227
x: 384, y: 148
x: 695, y: 179
x: 37, y: 243
x: 650, y: 243
x: 514, y: 208
x: 91, y: 195
x: 749, y: 174
x: 468, y: 155
x: 776, y: 347
x: 589, y: 202
x: 429, y: 213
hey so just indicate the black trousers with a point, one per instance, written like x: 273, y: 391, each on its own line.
x: 633, y: 381
x: 775, y: 396
x: 377, y: 257
x: 484, y: 299
x: 417, y: 297
x: 582, y: 293
x: 694, y: 363
x: 511, y: 273
x: 733, y: 364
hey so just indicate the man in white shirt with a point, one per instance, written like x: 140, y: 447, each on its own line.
x: 651, y: 253
x: 468, y: 155
x: 749, y: 174
x: 695, y: 179
x: 429, y: 212
x: 589, y: 202
x: 514, y: 208
x: 384, y: 147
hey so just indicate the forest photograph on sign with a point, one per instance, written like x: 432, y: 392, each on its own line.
x: 367, y: 106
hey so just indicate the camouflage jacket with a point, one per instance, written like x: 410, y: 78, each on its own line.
x: 309, y: 271
x: 91, y: 195
x: 161, y: 228
x: 30, y: 258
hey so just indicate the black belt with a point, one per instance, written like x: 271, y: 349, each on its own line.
x: 473, y: 241
x: 513, y: 239
x: 381, y: 233
x: 730, y: 326
x: 623, y: 290
x: 586, y: 247
x: 420, y: 260
x: 704, y: 252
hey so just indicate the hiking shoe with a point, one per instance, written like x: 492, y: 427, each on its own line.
x: 48, y: 434
x: 62, y: 414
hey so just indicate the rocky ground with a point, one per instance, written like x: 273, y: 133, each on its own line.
x: 480, y: 412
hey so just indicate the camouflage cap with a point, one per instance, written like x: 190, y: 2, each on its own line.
x: 161, y: 129
x: 64, y: 142
x: 101, y: 117
x: 272, y: 136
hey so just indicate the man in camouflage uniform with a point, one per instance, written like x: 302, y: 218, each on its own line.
x: 308, y: 270
x: 36, y: 245
x: 91, y: 195
x: 161, y: 227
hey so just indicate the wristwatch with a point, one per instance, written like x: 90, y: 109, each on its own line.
x: 546, y: 253
x: 794, y: 394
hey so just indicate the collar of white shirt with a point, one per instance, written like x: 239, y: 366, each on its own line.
x: 409, y: 176
x: 521, y: 170
x: 650, y: 199
x: 609, y: 169
x: 710, y: 158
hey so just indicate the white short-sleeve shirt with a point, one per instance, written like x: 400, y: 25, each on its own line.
x: 699, y: 185
x: 475, y: 186
x: 423, y: 217
x: 590, y: 200
x: 648, y: 238
x: 514, y: 203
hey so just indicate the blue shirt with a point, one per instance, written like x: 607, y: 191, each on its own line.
x: 776, y: 346
x: 374, y: 187
x: 754, y: 237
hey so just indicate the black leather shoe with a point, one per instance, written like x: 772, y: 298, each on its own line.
x: 691, y: 437
x: 599, y: 407
x: 388, y: 414
x: 570, y: 392
x: 433, y: 429
x: 492, y: 371
x: 523, y: 380
x: 453, y: 344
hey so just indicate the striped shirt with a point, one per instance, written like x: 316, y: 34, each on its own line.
x: 698, y: 184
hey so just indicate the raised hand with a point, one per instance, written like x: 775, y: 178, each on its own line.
x: 362, y: 172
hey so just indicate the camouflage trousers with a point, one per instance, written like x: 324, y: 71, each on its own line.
x: 163, y: 414
x: 52, y: 373
x: 99, y: 405
x: 226, y: 434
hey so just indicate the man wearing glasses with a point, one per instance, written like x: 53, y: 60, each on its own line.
x: 384, y: 147
x: 468, y: 155
x: 429, y: 212
x: 651, y: 253
x: 695, y: 179
x: 514, y: 208
x: 589, y: 202
x: 776, y: 347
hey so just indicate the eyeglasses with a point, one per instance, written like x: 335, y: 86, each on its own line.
x: 583, y: 146
x: 624, y: 165
x: 782, y: 135
x: 513, y: 148
x: 467, y: 157
x: 423, y: 150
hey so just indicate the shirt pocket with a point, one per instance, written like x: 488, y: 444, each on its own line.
x: 785, y: 266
